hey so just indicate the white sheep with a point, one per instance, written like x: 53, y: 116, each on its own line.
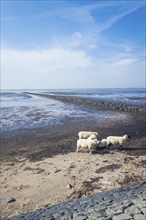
x: 85, y: 143
x: 117, y: 139
x: 102, y: 143
x: 92, y: 137
x: 86, y: 134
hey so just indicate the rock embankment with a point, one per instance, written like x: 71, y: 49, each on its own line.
x: 102, y: 105
x: 124, y: 203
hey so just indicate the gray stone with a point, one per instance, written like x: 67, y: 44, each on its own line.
x: 111, y: 212
x: 119, y: 206
x: 143, y: 211
x: 132, y: 209
x: 83, y: 202
x: 104, y: 218
x: 92, y: 216
x: 140, y: 203
x: 118, y: 211
x: 121, y: 217
x: 56, y: 215
x: 65, y: 218
x: 90, y: 205
x: 127, y: 202
x: 63, y: 211
x: 139, y: 217
x: 91, y: 210
x: 76, y: 216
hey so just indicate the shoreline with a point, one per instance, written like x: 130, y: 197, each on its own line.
x: 38, y: 164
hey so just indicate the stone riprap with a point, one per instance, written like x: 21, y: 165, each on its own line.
x: 125, y: 203
x: 94, y: 103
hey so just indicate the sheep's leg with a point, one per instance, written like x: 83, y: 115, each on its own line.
x: 108, y: 143
x: 121, y: 146
x: 77, y: 149
x: 90, y: 149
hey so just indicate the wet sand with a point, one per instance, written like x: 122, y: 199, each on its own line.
x: 38, y: 164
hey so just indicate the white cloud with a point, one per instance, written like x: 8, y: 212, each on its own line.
x: 28, y: 68
x: 64, y: 68
x: 43, y: 60
x: 126, y: 61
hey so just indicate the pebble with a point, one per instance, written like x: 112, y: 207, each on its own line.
x: 10, y: 199
x: 57, y: 170
x: 102, y: 206
x: 69, y: 186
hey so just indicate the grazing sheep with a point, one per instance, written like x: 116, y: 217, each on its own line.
x: 86, y: 134
x: 117, y: 139
x: 85, y: 143
x: 102, y: 143
x: 92, y: 137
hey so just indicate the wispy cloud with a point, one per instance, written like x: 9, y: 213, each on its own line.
x: 89, y: 33
x: 85, y: 14
x: 126, y: 61
x: 7, y: 18
x: 113, y: 19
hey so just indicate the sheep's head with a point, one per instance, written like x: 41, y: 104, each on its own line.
x: 96, y: 133
x: 126, y: 136
x: 96, y: 142
x: 99, y: 143
x: 104, y: 141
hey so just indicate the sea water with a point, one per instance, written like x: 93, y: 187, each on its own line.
x: 20, y: 110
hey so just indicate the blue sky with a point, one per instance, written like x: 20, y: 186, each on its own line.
x: 72, y: 44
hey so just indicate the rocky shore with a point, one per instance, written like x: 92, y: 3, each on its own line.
x: 124, y: 203
x: 94, y: 103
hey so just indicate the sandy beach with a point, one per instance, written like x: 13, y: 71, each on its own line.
x: 40, y: 167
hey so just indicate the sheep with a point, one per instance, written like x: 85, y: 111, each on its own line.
x: 85, y: 143
x: 92, y: 137
x: 102, y: 143
x: 86, y: 134
x: 117, y: 139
